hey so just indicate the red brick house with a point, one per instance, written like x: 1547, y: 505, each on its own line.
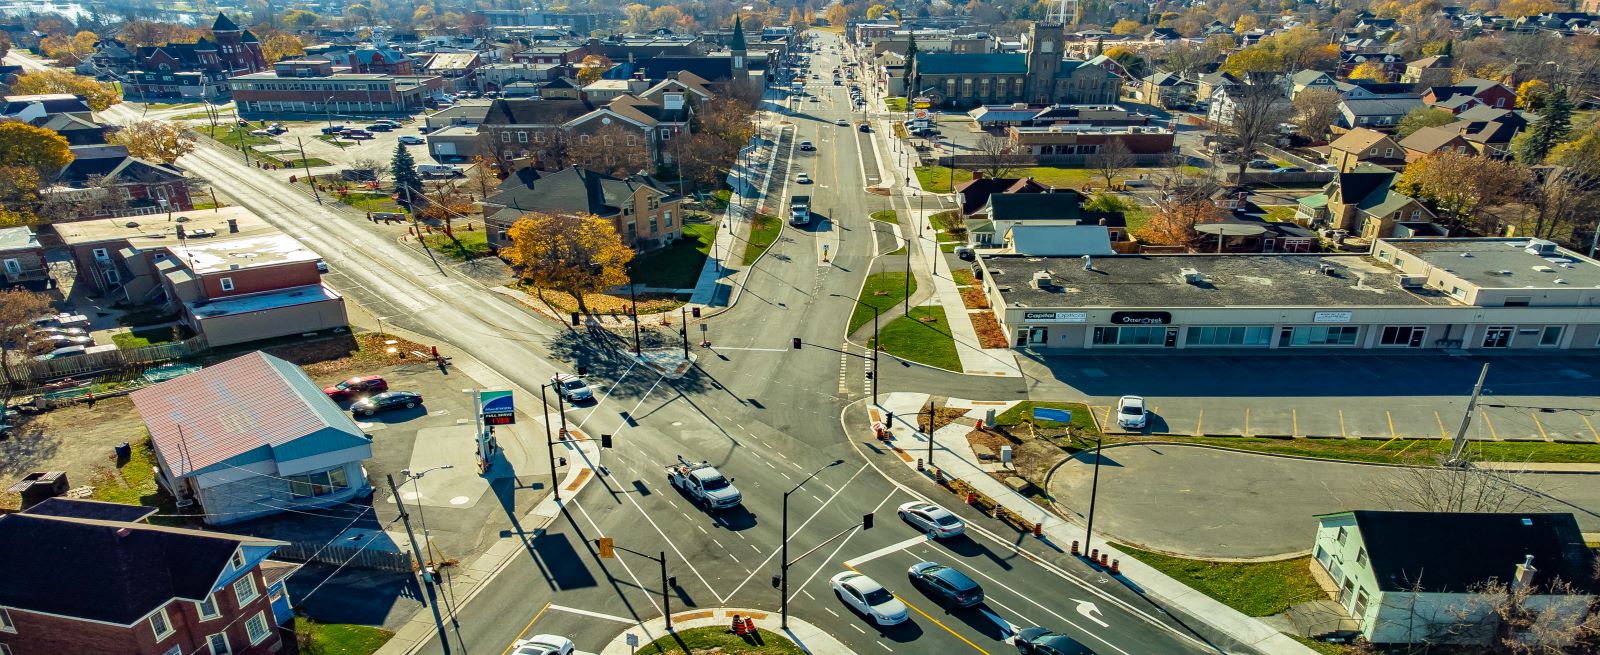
x: 1488, y: 92
x: 92, y: 577
x: 105, y: 181
x: 315, y: 88
x: 195, y: 70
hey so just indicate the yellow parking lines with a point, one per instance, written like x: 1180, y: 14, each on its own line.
x: 1342, y: 432
x: 1390, y: 417
x: 1294, y: 420
x: 1200, y: 422
x: 1247, y: 421
x: 1408, y: 447
x: 1445, y: 434
x: 1590, y: 426
x: 1490, y: 422
x: 1539, y: 425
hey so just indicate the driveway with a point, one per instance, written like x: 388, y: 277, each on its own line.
x: 1209, y: 503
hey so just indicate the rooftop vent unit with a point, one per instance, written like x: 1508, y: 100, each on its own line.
x: 1041, y: 280
x: 1192, y: 276
x: 1544, y: 269
x: 1541, y: 247
x: 1413, y: 282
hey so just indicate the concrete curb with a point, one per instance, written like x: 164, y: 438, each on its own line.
x: 1490, y: 465
x: 808, y: 637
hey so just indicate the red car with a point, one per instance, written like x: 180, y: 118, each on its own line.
x: 357, y: 386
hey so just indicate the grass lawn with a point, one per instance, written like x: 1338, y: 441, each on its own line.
x: 200, y: 115
x: 1137, y: 218
x: 236, y: 135
x: 370, y: 201
x: 1082, y: 419
x: 467, y: 245
x: 302, y: 163
x: 164, y: 106
x: 717, y: 639
x: 1257, y: 588
x: 1280, y: 214
x: 886, y: 215
x: 882, y: 290
x: 677, y: 266
x: 928, y: 342
x: 140, y: 338
x: 1327, y: 648
x: 133, y: 483
x: 763, y: 231
x: 344, y: 639
x: 897, y: 103
x: 938, y: 179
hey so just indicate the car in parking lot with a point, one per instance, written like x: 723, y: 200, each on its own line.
x: 932, y: 519
x: 802, y: 178
x: 1041, y: 641
x: 1131, y: 414
x: 63, y: 331
x: 1261, y: 164
x: 542, y: 645
x: 868, y: 598
x: 386, y: 401
x: 571, y: 387
x: 356, y: 134
x: 946, y: 585
x: 411, y: 140
x: 356, y: 386
x: 379, y: 127
x: 807, y: 146
x: 62, y: 340
x: 334, y: 129
x: 261, y: 133
x: 62, y: 320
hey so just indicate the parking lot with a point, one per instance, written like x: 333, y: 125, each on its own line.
x: 1347, y: 418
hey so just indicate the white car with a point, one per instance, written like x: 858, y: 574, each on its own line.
x: 868, y: 598
x: 411, y: 140
x: 842, y: 123
x: 571, y: 387
x: 802, y: 178
x: 542, y: 645
x: 1131, y: 414
x: 932, y: 519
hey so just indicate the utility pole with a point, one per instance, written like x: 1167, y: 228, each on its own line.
x: 1094, y: 490
x: 405, y: 519
x: 906, y: 308
x: 1466, y: 420
x: 312, y: 179
x: 683, y: 329
x: 549, y: 442
x: 633, y: 300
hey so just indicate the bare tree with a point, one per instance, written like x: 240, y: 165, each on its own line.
x: 379, y: 168
x: 1111, y: 159
x: 1315, y: 110
x: 997, y: 156
x: 18, y: 309
x: 1456, y: 489
x: 1184, y: 59
x: 1258, y: 108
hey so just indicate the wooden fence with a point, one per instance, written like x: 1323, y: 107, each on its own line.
x: 351, y: 556
x: 92, y: 363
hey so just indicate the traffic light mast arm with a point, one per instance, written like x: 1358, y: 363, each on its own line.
x: 866, y: 524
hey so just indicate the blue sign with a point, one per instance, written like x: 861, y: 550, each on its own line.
x: 1048, y: 414
x: 495, y: 407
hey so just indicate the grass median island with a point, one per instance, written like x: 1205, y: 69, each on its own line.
x: 717, y: 639
x: 1254, y: 588
x: 463, y: 246
x: 886, y: 215
x: 883, y: 291
x: 895, y: 103
x: 763, y: 231
x: 677, y: 266
x: 923, y: 336
x: 1023, y: 413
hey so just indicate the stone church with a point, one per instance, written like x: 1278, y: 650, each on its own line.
x: 1039, y: 75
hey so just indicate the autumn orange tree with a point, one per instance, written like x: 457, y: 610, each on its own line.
x: 1462, y: 185
x: 1370, y: 70
x: 154, y: 140
x: 43, y: 150
x: 593, y: 68
x: 53, y: 80
x: 574, y: 253
x: 1173, y: 222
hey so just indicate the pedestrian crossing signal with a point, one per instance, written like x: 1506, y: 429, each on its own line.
x: 866, y: 521
x: 607, y: 550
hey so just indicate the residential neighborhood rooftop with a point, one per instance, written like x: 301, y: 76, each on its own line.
x: 211, y: 256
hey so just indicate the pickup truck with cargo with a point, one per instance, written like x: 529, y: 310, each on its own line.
x: 704, y: 484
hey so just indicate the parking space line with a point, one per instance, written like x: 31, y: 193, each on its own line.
x: 1200, y: 422
x: 1294, y: 421
x: 1107, y: 420
x: 1537, y: 424
x: 1589, y: 425
x: 1390, y: 418
x: 1490, y: 422
x: 596, y: 615
x: 886, y: 550
x: 1342, y: 432
x: 1445, y: 434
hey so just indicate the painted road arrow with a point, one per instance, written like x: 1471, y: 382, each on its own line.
x: 1088, y: 610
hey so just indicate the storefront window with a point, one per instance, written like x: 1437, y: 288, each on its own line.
x: 1133, y: 335
x: 1229, y: 335
x: 1402, y: 335
x: 1321, y: 335
x: 316, y: 484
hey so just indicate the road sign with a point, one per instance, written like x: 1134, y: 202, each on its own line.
x: 1048, y: 414
x: 922, y: 113
x: 495, y: 407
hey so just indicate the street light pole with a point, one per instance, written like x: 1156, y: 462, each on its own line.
x: 784, y: 557
x: 413, y: 477
x: 683, y: 329
x: 555, y: 484
x: 1094, y: 489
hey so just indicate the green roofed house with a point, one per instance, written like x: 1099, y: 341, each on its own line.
x: 1416, y: 577
x: 1363, y: 203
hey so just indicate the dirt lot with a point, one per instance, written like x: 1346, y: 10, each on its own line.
x: 76, y: 439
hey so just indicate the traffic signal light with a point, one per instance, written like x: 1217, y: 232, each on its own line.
x: 695, y: 311
x: 797, y: 343
x: 776, y: 581
x: 866, y: 521
x: 606, y: 548
x: 605, y: 441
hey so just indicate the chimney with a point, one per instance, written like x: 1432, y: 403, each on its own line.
x: 1102, y: 221
x: 233, y: 226
x: 1525, y: 573
x: 977, y: 175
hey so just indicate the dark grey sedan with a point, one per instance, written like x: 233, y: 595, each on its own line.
x: 1040, y: 641
x: 386, y: 401
x: 946, y: 585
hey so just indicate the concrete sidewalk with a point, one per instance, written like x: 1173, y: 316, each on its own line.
x: 975, y: 359
x: 808, y: 637
x: 720, y: 282
x: 959, y: 463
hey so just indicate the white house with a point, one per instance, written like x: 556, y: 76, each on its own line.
x: 253, y: 436
x: 1408, y: 577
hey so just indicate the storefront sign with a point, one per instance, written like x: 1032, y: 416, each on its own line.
x: 1055, y: 317
x: 1141, y: 318
x: 1332, y: 317
x: 495, y: 407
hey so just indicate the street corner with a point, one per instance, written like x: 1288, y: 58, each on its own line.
x: 703, y: 628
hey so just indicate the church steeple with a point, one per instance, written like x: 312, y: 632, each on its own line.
x: 737, y: 43
x: 223, y: 24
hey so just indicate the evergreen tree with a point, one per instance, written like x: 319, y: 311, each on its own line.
x: 1449, y: 48
x: 1100, y: 46
x: 913, y: 76
x: 406, y: 180
x: 1555, y: 122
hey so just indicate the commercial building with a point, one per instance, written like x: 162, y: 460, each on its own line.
x: 1039, y: 75
x: 1470, y: 294
x: 1148, y: 145
x: 313, y: 87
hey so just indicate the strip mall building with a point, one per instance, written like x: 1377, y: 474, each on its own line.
x: 1466, y: 294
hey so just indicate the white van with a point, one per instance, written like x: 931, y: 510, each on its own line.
x: 440, y: 169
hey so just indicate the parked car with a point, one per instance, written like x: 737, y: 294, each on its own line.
x: 379, y: 127
x: 807, y: 146
x: 277, y: 128
x: 1131, y: 414
x: 542, y: 645
x: 946, y: 585
x: 1287, y: 169
x: 62, y: 320
x: 411, y: 140
x: 842, y: 123
x: 571, y: 387
x: 932, y: 518
x: 356, y: 134
x: 1261, y: 164
x: 63, y: 331
x: 62, y: 340
x: 357, y: 386
x: 67, y: 351
x: 1040, y: 641
x: 868, y: 598
x: 965, y: 253
x: 386, y: 401
x: 334, y: 129
x: 440, y: 169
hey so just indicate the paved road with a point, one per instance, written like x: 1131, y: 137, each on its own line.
x: 1212, y: 503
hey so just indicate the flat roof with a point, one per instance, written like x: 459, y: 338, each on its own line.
x: 1504, y: 263
x: 311, y: 293
x: 213, y: 256
x: 456, y: 130
x: 1230, y: 280
x: 154, y: 230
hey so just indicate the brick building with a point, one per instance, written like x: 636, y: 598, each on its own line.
x: 644, y: 211
x: 194, y: 70
x: 104, y: 180
x: 93, y: 577
x: 313, y: 87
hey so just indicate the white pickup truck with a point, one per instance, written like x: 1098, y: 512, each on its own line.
x: 704, y: 483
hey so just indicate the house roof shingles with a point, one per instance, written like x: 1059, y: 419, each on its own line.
x: 570, y: 189
x: 1430, y: 139
x: 1404, y: 548
x: 222, y: 411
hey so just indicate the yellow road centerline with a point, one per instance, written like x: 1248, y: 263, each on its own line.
x: 526, y: 628
x: 935, y: 621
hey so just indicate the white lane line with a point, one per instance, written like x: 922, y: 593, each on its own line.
x: 858, y: 628
x: 718, y: 543
x: 1047, y: 610
x: 739, y: 535
x: 785, y: 475
x: 735, y: 557
x: 808, y: 594
x: 830, y: 611
x: 769, y: 464
x: 802, y: 527
x: 613, y: 387
x: 701, y: 528
x: 840, y: 547
x: 1025, y: 620
x: 814, y: 497
x: 593, y: 615
x: 757, y: 548
x: 884, y: 647
x: 886, y: 550
x: 623, y: 562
